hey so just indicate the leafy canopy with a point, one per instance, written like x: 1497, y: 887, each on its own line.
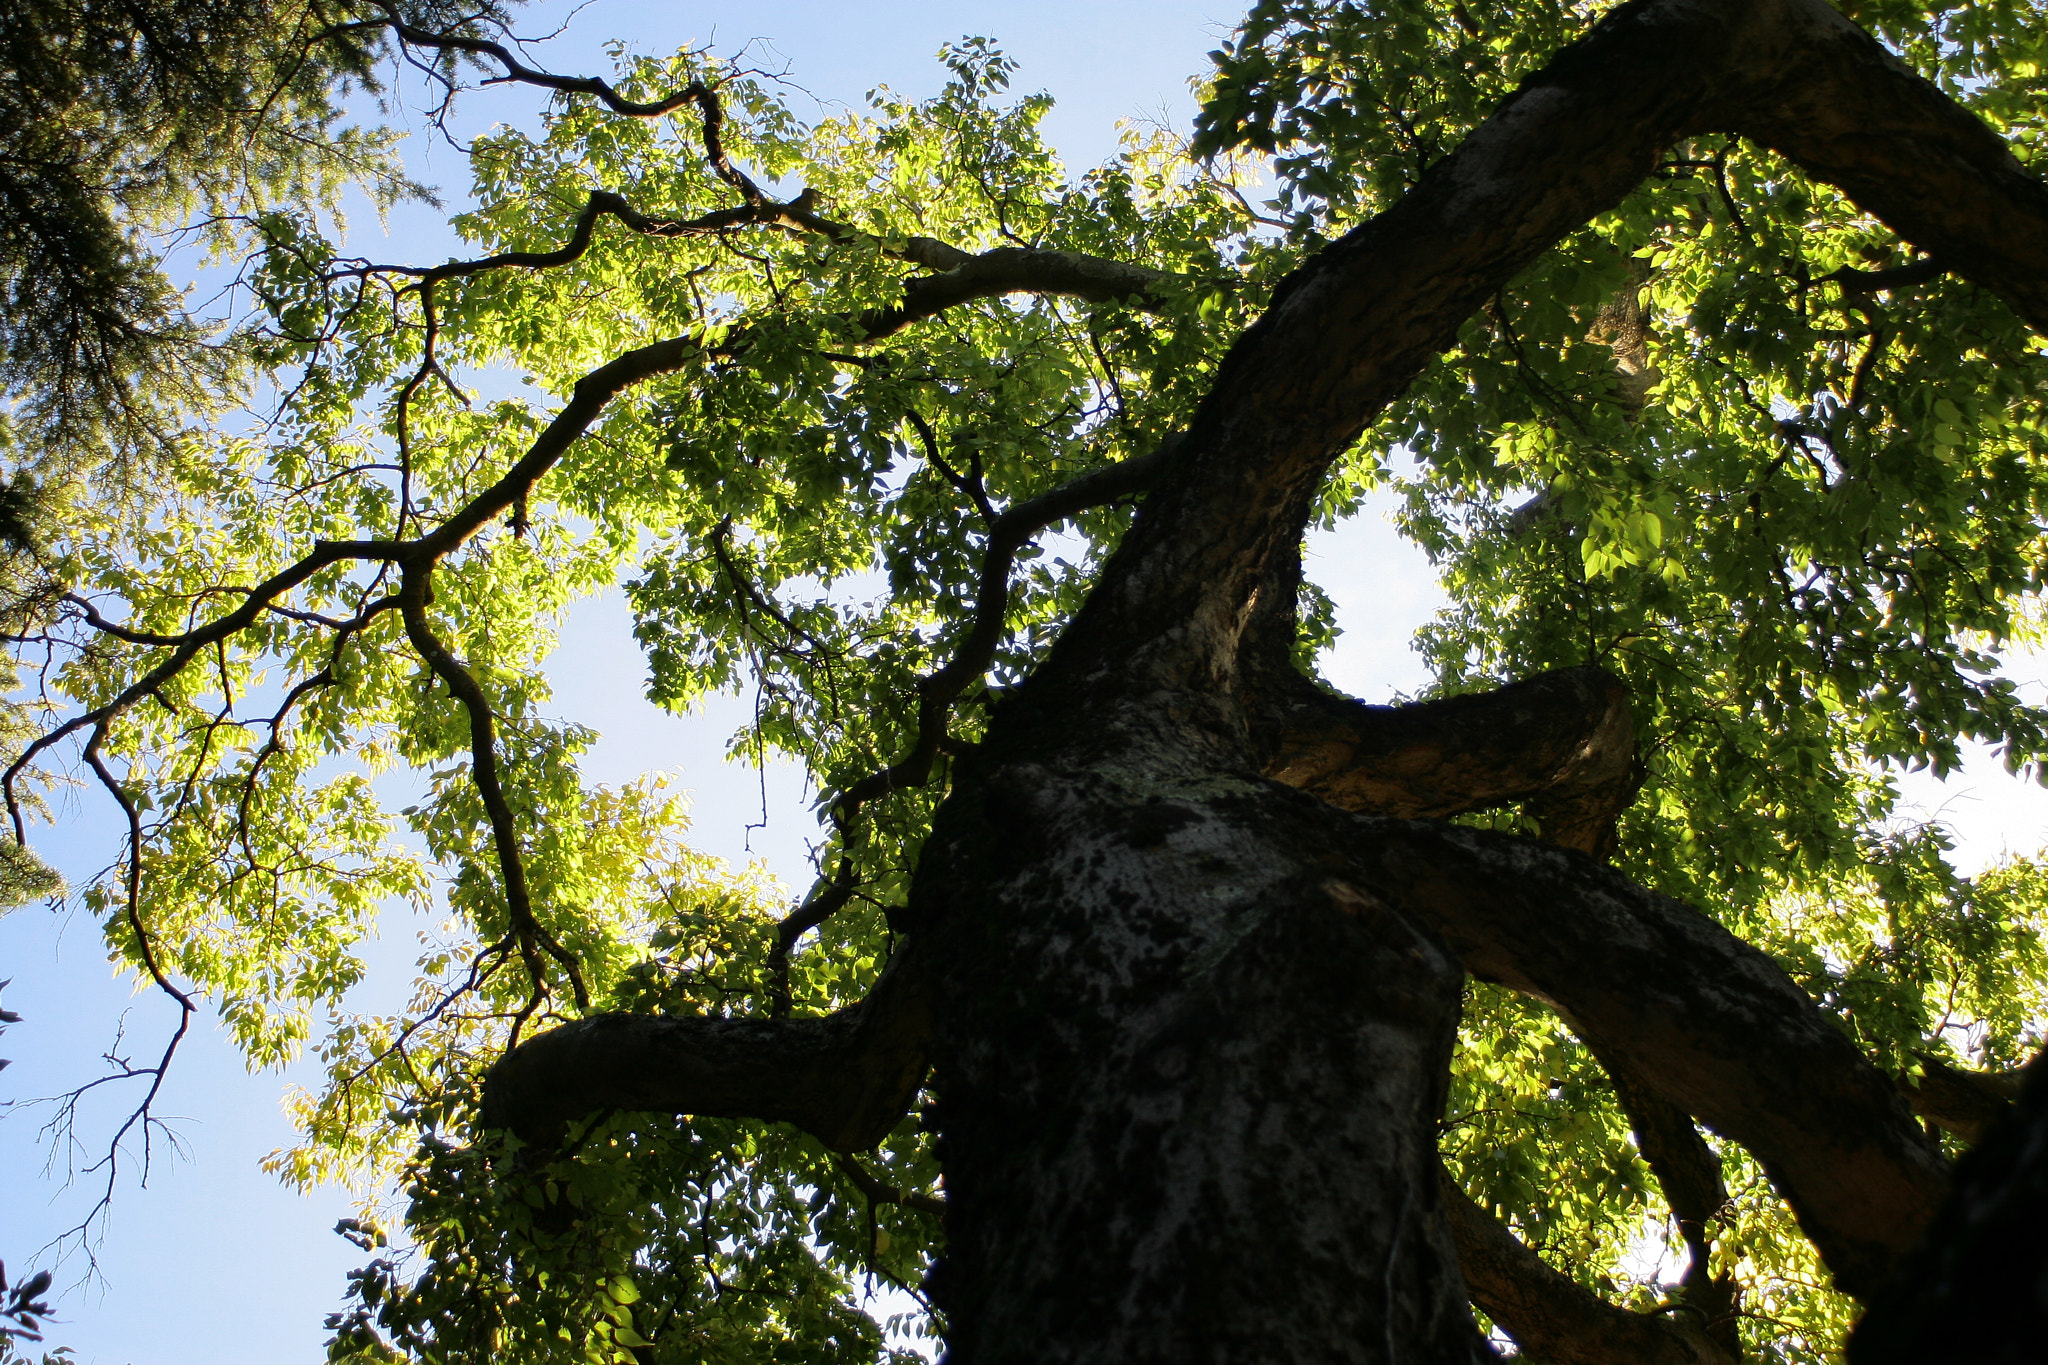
x: 1729, y: 440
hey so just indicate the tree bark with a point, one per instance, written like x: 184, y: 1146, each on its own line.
x: 1188, y: 1074
x: 1562, y: 744
x: 845, y: 1077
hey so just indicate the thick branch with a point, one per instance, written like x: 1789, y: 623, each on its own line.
x: 1549, y: 1316
x: 1707, y: 1022
x: 845, y: 1077
x: 1562, y: 742
x: 1851, y: 114
x: 1854, y: 281
x: 1020, y: 270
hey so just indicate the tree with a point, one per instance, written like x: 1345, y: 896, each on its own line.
x: 1252, y: 1020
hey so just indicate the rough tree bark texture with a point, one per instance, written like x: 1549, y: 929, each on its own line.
x: 1189, y: 1072
x: 1192, y: 989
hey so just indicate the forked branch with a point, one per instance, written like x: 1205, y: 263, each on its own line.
x: 938, y: 690
x: 518, y: 72
x: 1707, y: 1022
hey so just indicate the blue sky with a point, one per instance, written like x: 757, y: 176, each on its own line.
x: 213, y: 1262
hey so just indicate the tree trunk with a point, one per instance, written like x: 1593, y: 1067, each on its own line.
x: 1188, y: 1077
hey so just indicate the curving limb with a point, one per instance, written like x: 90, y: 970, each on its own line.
x: 533, y: 937
x: 1550, y: 1317
x: 601, y: 204
x: 1347, y: 332
x: 518, y: 72
x: 1707, y: 1023
x: 1562, y: 742
x: 845, y: 1077
x: 1966, y: 1103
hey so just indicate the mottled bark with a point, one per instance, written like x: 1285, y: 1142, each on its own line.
x: 1623, y: 325
x: 1188, y: 1073
x: 1707, y: 1022
x: 1551, y: 1318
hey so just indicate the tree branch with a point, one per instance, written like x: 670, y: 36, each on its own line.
x: 1562, y: 742
x: 519, y: 72
x: 1689, y: 1172
x: 1709, y: 1024
x: 1346, y: 333
x: 1966, y: 1103
x: 845, y: 1077
x: 188, y: 647
x: 1550, y: 1317
x: 938, y: 690
x: 533, y: 936
x: 1854, y: 281
x: 1020, y: 270
x: 601, y: 204
x: 960, y: 276
x: 878, y: 1191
